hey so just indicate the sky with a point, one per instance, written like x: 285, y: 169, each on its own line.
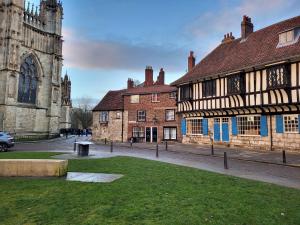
x: 108, y: 41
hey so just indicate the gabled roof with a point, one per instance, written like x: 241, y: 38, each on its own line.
x: 258, y: 49
x: 150, y: 89
x: 111, y: 101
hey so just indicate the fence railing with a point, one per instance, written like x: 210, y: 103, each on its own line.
x: 24, y: 138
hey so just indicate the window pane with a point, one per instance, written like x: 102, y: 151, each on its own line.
x: 134, y: 99
x: 248, y: 125
x: 291, y: 124
x: 195, y: 126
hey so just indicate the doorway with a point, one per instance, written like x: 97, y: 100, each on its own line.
x: 151, y: 134
x: 221, y: 129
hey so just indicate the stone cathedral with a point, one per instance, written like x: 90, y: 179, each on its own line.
x: 34, y: 99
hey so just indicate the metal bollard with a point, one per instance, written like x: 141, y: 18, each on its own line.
x: 111, y: 147
x: 105, y: 141
x: 283, y: 157
x: 166, y: 146
x: 75, y: 146
x: 156, y: 150
x: 225, y: 161
x: 212, y: 149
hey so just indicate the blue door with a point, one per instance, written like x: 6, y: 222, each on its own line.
x: 217, y: 136
x: 225, y: 130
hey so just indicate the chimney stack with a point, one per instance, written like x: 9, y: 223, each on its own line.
x: 148, y: 76
x: 228, y: 38
x: 161, y: 77
x: 191, y: 61
x: 246, y: 27
x: 130, y: 83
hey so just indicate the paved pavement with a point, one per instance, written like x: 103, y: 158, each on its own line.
x: 268, y: 172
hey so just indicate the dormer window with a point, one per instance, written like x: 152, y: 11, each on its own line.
x: 288, y: 37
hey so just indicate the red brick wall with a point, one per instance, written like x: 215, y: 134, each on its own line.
x: 152, y: 109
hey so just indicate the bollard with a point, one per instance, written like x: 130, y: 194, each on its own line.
x: 212, y: 149
x: 283, y: 157
x: 225, y: 161
x: 111, y: 147
x: 131, y: 141
x: 75, y: 146
x: 156, y: 150
x: 166, y: 146
x: 105, y: 141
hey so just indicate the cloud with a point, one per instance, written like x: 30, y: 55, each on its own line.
x: 85, y: 53
x: 207, y: 30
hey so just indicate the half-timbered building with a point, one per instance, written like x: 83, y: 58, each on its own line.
x: 246, y: 92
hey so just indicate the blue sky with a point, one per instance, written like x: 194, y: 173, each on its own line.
x: 107, y: 41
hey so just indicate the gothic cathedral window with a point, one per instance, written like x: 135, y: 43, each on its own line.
x: 28, y: 80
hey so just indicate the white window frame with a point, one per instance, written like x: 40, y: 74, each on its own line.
x: 138, y: 132
x: 169, y: 133
x: 190, y: 131
x: 134, y: 99
x: 138, y: 116
x: 248, y: 125
x: 155, y: 97
x: 118, y: 115
x: 104, y: 116
x: 284, y: 124
x: 166, y: 115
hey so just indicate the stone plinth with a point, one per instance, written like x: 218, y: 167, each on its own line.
x: 33, y: 168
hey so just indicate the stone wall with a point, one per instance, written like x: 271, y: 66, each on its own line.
x: 18, y: 40
x: 112, y: 130
x: 281, y: 141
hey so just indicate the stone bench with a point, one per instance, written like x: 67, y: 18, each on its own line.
x: 33, y: 168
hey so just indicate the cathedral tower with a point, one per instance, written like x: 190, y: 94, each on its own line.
x: 30, y: 67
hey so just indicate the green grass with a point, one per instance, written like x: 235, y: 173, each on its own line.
x: 149, y: 193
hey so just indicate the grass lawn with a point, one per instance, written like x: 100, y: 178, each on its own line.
x: 149, y: 193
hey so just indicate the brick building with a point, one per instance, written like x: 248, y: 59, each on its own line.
x: 246, y: 92
x: 148, y: 112
x: 152, y: 110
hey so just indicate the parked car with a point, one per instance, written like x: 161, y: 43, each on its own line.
x: 6, y: 141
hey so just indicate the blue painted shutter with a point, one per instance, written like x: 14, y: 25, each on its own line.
x: 183, y: 126
x: 234, y: 126
x: 279, y: 124
x: 263, y: 126
x: 299, y: 123
x: 205, y: 126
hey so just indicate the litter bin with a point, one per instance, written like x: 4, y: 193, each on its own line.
x: 83, y: 150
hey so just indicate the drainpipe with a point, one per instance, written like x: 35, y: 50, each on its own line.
x: 122, y: 125
x: 271, y: 134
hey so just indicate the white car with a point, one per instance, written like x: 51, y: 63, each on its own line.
x: 6, y: 141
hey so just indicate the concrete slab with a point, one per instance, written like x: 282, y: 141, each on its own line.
x: 75, y: 156
x: 93, y: 177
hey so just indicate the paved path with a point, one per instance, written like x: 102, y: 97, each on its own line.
x: 272, y: 173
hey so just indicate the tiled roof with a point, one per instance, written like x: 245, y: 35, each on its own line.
x: 150, y: 89
x: 258, y: 49
x: 111, y: 101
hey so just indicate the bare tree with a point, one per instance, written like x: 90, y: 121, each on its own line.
x: 82, y: 117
